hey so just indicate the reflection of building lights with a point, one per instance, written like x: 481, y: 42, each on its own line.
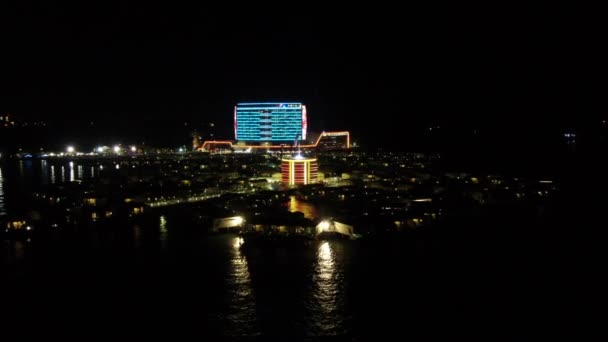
x: 325, y: 253
x: 238, y: 241
x: 163, y: 224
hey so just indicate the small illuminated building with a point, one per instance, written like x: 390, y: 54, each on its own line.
x: 228, y: 223
x: 299, y: 170
x: 333, y: 141
x: 331, y: 227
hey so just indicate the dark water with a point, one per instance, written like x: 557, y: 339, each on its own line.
x: 149, y: 282
x: 163, y: 280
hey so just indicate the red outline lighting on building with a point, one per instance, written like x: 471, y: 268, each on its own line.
x: 230, y: 143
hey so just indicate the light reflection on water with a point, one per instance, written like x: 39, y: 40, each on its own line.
x: 20, y: 178
x: 260, y: 291
x: 162, y: 227
x: 2, y: 208
x: 311, y: 305
x: 72, y: 177
x: 241, y: 315
x: 309, y: 210
x: 47, y: 171
x: 327, y: 292
x: 44, y: 178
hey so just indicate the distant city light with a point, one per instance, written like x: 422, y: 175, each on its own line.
x: 70, y: 149
x: 133, y: 149
x: 116, y: 149
x: 238, y: 220
x: 181, y: 149
x: 99, y: 149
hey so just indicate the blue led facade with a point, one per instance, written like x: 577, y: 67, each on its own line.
x: 270, y: 122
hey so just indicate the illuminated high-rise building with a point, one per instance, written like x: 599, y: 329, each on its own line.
x: 270, y: 122
x: 299, y: 170
x: 333, y: 141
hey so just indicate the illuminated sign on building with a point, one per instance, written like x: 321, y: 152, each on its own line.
x: 270, y: 122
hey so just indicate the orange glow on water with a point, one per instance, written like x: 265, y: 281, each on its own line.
x: 309, y: 210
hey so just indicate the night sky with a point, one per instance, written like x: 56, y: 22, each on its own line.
x: 143, y: 67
